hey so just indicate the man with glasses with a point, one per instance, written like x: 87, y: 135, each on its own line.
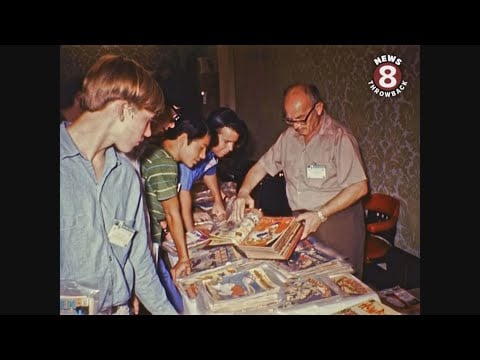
x: 323, y: 171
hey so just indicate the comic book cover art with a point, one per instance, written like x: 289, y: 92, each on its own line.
x: 78, y: 297
x: 308, y: 253
x: 348, y: 311
x: 267, y: 230
x: 258, y: 236
x: 211, y: 258
x: 76, y: 305
x: 244, y: 283
x: 308, y: 289
x: 202, y: 199
x: 230, y: 232
x: 189, y: 285
x: 349, y: 285
x: 370, y: 307
x: 195, y: 239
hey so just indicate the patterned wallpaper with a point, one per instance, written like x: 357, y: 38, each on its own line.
x: 387, y: 129
x: 165, y: 59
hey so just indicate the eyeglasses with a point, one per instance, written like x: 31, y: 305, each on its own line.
x: 177, y: 114
x: 301, y: 122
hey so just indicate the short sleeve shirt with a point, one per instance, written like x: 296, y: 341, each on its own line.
x: 333, y: 151
x: 188, y: 176
x: 160, y: 173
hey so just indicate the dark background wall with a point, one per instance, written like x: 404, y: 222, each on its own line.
x: 167, y: 61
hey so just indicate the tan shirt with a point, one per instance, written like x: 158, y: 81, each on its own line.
x: 332, y: 154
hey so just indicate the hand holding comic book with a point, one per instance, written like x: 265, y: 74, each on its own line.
x: 260, y: 237
x: 241, y: 202
x: 311, y: 221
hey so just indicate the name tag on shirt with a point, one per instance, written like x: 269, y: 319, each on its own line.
x: 315, y: 171
x: 120, y: 234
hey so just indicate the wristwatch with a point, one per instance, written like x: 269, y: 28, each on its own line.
x: 322, y: 217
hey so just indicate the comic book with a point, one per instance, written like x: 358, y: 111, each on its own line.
x: 309, y: 289
x: 77, y: 299
x: 195, y: 239
x: 260, y: 237
x: 210, y: 258
x: 188, y: 285
x: 349, y: 285
x: 250, y: 289
x: 370, y: 307
x: 311, y: 257
x: 76, y: 305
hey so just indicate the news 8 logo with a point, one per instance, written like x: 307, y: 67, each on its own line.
x: 387, y: 77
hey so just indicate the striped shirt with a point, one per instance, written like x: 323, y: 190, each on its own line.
x: 160, y: 172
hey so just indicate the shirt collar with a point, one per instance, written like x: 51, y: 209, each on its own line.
x: 69, y: 149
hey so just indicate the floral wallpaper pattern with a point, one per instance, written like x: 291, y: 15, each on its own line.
x: 165, y: 59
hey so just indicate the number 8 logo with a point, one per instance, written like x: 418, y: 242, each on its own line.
x: 387, y: 76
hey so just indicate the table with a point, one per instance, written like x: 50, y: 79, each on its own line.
x: 320, y: 307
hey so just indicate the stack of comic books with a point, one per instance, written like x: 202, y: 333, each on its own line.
x: 189, y: 285
x: 312, y: 257
x: 202, y: 197
x: 352, y: 290
x: 260, y: 237
x: 77, y: 299
x: 210, y: 258
x: 324, y: 293
x: 309, y: 289
x: 369, y: 307
x: 203, y: 200
x: 195, y: 239
x: 252, y: 287
x: 349, y: 285
x: 76, y: 305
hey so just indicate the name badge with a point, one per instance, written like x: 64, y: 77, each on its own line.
x: 120, y: 234
x: 316, y: 171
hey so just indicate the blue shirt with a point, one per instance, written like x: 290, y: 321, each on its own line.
x: 188, y: 176
x: 87, y: 212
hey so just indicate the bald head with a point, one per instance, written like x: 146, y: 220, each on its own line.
x: 304, y: 89
x: 302, y: 108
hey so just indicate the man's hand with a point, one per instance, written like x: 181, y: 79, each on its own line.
x: 200, y: 216
x: 135, y: 305
x: 311, y: 222
x: 219, y: 210
x: 182, y: 267
x: 239, y: 206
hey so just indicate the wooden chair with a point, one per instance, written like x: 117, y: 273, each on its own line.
x: 381, y: 217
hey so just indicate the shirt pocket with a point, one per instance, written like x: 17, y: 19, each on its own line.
x: 326, y: 182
